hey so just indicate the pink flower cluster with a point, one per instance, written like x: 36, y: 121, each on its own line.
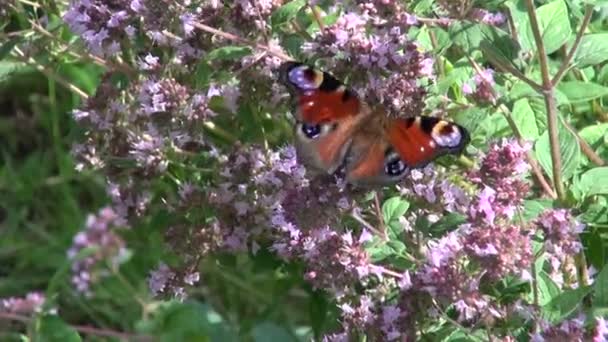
x: 354, y: 41
x: 148, y: 137
x: 105, y: 245
x: 30, y: 304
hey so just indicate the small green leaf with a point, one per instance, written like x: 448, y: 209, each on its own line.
x: 594, y: 247
x: 521, y: 21
x: 579, y: 91
x: 379, y: 253
x: 600, y: 288
x: 533, y: 208
x: 569, y: 150
x: 228, y: 53
x: 564, y: 304
x: 596, y: 213
x: 523, y: 116
x: 53, y: 328
x: 187, y: 321
x: 594, y: 181
x: 318, y: 309
x: 286, y: 12
x: 393, y: 208
x: 397, y: 246
x: 447, y: 222
x: 598, y: 3
x: 594, y: 134
x: 8, y: 46
x: 554, y: 25
x: 547, y: 288
x: 592, y: 50
x: 267, y: 332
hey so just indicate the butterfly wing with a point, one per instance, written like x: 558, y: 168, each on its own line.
x: 385, y: 149
x: 327, y: 114
x: 421, y: 139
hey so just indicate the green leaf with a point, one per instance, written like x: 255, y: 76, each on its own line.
x: 202, y: 74
x: 447, y: 222
x: 498, y: 46
x: 286, y: 12
x: 569, y: 151
x: 597, y: 3
x: 524, y: 118
x: 533, y: 208
x: 268, y: 332
x: 380, y: 252
x: 592, y: 50
x: 600, y: 288
x: 521, y: 22
x: 318, y: 309
x: 188, y: 321
x: 53, y: 328
x: 393, y: 208
x: 228, y: 53
x: 493, y: 41
x: 579, y: 91
x: 594, y: 134
x: 564, y: 304
x: 596, y: 213
x: 554, y: 25
x: 8, y: 46
x: 547, y: 288
x: 594, y: 247
x: 594, y: 181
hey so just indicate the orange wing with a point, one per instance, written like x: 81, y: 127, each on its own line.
x: 327, y: 114
x: 421, y: 139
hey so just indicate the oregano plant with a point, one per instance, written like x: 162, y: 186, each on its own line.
x: 151, y: 188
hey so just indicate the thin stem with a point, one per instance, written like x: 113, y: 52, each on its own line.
x: 440, y: 64
x: 366, y: 224
x: 82, y: 329
x: 515, y: 72
x: 50, y: 74
x: 316, y: 14
x: 566, y: 63
x: 83, y: 55
x: 587, y: 150
x: 241, y: 40
x: 581, y: 269
x: 379, y: 215
x: 220, y: 131
x: 529, y: 157
x: 550, y: 102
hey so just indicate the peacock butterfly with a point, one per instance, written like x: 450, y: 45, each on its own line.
x: 334, y: 130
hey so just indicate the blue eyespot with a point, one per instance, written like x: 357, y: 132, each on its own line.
x: 303, y: 78
x: 395, y: 167
x: 311, y: 131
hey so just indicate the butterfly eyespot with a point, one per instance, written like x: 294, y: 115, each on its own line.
x: 446, y: 135
x: 394, y: 166
x: 305, y: 78
x: 311, y: 131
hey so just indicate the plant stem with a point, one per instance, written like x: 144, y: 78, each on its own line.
x: 241, y: 40
x: 316, y: 14
x: 566, y: 63
x: 82, y: 329
x: 581, y: 269
x: 530, y: 158
x: 550, y: 103
x: 51, y: 74
x: 587, y: 150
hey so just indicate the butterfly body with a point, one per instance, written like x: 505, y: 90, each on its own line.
x: 334, y: 130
